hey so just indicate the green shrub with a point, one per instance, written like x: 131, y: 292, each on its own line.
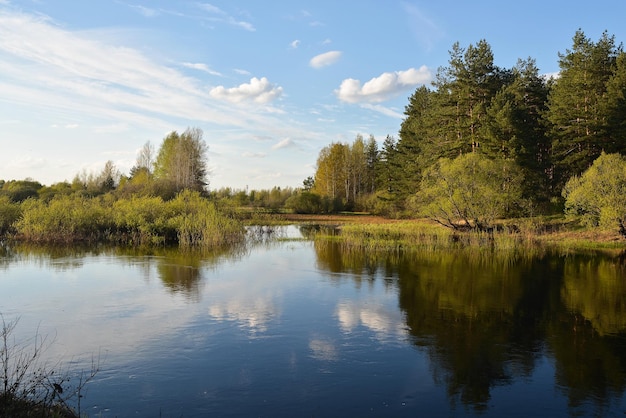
x: 305, y: 202
x: 470, y: 191
x: 9, y: 213
x: 599, y: 194
x: 64, y: 218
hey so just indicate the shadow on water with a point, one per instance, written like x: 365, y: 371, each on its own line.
x: 485, y: 319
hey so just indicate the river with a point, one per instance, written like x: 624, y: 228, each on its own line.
x: 287, y: 327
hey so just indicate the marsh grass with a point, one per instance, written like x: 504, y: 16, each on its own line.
x: 421, y: 235
x: 188, y: 220
x: 527, y: 235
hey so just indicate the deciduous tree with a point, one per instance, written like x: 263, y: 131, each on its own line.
x: 470, y: 191
x: 182, y: 160
x: 599, y: 194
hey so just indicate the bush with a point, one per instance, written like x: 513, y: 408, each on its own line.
x: 198, y: 222
x: 143, y: 220
x: 9, y: 213
x: 470, y: 191
x: 305, y: 202
x: 599, y: 194
x: 64, y: 218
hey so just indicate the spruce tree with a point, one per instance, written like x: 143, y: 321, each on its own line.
x: 576, y: 111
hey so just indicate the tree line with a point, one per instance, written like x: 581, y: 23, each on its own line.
x: 536, y: 133
x: 480, y: 143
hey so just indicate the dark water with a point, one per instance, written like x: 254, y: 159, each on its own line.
x: 294, y: 328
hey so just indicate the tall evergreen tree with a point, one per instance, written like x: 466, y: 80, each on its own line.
x: 576, y: 112
x: 616, y: 106
x: 464, y: 90
x: 372, y: 157
x: 513, y: 128
x: 413, y: 151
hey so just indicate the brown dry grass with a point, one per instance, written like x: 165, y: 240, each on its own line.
x: 337, y: 219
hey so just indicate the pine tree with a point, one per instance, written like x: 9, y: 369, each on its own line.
x: 513, y: 128
x: 576, y: 112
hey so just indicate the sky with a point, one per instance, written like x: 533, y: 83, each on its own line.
x: 270, y: 83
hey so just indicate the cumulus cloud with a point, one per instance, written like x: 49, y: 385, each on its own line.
x: 258, y: 91
x: 325, y: 59
x: 295, y: 44
x: 383, y: 87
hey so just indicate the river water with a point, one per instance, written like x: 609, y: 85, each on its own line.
x: 290, y: 327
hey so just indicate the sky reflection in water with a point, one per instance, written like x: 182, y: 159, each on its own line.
x: 292, y: 328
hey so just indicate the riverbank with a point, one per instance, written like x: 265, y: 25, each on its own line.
x: 375, y: 232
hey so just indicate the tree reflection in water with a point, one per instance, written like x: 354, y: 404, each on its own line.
x: 485, y: 318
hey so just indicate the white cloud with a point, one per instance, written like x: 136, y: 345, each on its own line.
x: 383, y: 110
x: 325, y: 59
x: 211, y: 8
x: 242, y: 72
x: 258, y: 91
x: 295, y: 44
x: 222, y: 16
x: 249, y: 154
x: 285, y: 143
x: 201, y: 67
x: 46, y: 66
x: 146, y: 11
x: 383, y: 87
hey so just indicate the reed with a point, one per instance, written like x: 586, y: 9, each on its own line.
x: 187, y: 220
x: 423, y: 235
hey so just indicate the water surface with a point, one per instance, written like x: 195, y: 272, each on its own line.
x: 290, y: 327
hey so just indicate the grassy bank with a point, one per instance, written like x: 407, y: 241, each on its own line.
x: 372, y: 233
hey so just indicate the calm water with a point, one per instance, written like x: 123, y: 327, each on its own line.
x: 291, y: 328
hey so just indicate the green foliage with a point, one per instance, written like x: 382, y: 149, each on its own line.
x: 10, y: 212
x: 346, y: 171
x: 198, y: 222
x: 181, y: 160
x: 20, y: 190
x: 64, y: 218
x: 581, y: 105
x: 305, y: 202
x: 143, y: 219
x: 470, y: 191
x: 599, y: 194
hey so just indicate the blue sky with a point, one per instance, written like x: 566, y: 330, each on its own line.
x: 269, y: 82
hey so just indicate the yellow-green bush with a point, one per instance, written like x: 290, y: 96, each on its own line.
x: 64, y: 218
x: 9, y: 214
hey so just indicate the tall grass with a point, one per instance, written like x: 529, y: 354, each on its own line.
x: 188, y: 220
x: 422, y: 235
x: 63, y: 219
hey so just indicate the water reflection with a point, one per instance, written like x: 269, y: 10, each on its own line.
x: 485, y: 320
x: 299, y: 322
